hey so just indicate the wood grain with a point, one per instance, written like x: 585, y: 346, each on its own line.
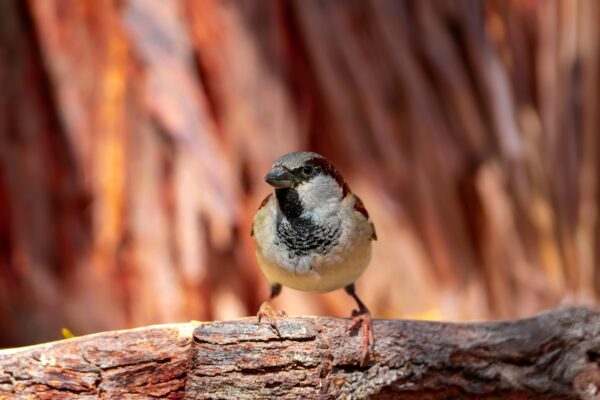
x: 553, y: 355
x: 144, y: 363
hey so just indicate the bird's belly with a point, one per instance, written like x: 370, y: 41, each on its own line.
x: 316, y: 272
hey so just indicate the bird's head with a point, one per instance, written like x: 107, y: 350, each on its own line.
x: 306, y: 184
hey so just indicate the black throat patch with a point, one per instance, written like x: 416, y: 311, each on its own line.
x: 289, y: 203
x: 298, y: 234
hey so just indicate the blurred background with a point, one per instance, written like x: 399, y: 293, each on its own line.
x: 134, y: 136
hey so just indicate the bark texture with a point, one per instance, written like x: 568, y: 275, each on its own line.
x: 144, y: 363
x: 555, y: 354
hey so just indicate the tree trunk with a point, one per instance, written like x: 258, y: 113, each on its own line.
x: 555, y: 354
x: 135, y: 135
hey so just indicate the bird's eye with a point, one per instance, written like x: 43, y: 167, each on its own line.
x: 307, y: 170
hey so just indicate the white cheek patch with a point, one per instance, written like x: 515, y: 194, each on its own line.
x: 320, y: 196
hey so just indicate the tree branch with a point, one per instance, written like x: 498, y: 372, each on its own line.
x: 555, y: 354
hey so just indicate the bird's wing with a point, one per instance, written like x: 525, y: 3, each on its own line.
x: 360, y: 207
x: 262, y: 204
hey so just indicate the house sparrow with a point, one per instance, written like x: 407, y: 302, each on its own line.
x: 314, y: 234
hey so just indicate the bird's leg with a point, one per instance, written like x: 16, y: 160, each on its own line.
x: 267, y: 311
x: 362, y: 317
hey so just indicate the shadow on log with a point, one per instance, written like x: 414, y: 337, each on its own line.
x: 555, y: 354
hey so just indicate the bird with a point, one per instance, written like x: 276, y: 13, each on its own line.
x: 313, y: 234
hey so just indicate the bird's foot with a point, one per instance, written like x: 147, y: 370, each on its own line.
x: 362, y: 319
x: 267, y: 312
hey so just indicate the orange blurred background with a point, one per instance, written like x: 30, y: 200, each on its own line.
x: 134, y: 136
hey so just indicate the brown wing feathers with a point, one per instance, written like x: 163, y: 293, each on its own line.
x: 262, y: 204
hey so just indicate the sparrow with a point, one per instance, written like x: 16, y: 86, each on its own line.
x: 313, y: 234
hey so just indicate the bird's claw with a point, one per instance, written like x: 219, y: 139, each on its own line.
x: 363, y: 319
x: 267, y: 312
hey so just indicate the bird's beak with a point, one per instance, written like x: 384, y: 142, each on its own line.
x: 279, y: 178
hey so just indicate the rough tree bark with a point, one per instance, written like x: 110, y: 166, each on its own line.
x: 555, y: 354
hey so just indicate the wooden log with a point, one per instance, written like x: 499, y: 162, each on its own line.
x: 553, y: 355
x: 150, y: 362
